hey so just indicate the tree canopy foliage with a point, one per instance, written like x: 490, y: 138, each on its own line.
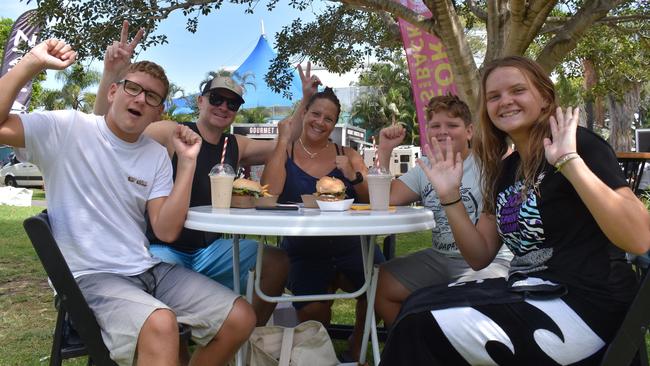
x: 5, y: 29
x: 350, y: 31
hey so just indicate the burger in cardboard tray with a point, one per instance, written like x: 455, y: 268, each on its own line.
x: 248, y: 193
x: 330, y: 195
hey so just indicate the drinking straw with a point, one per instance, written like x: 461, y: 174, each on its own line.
x: 223, y: 153
x: 374, y: 146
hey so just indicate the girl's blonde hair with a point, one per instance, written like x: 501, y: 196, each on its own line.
x: 491, y: 144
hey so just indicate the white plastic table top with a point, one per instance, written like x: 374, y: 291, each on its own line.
x: 309, y: 222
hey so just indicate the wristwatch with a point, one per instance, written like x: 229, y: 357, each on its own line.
x: 358, y: 179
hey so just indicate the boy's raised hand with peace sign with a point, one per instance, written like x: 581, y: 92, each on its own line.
x: 116, y: 60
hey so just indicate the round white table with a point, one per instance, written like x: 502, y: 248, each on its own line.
x: 314, y: 222
x: 308, y: 221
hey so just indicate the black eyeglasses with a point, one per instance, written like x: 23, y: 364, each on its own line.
x: 134, y: 89
x: 217, y: 99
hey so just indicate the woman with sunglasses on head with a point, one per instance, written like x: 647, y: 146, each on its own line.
x: 561, y: 205
x: 317, y: 263
x: 218, y: 103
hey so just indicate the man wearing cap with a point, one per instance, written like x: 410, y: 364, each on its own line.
x: 220, y: 99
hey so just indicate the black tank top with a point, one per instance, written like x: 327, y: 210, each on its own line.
x: 209, y: 155
x: 299, y: 182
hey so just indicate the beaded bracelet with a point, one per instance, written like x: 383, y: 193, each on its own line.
x: 450, y: 203
x: 561, y: 162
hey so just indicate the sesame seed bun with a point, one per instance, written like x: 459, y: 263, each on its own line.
x: 330, y: 189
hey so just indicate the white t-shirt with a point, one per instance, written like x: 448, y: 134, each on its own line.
x: 470, y: 192
x: 97, y: 189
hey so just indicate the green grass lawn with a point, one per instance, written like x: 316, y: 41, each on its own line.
x: 27, y: 313
x: 38, y: 194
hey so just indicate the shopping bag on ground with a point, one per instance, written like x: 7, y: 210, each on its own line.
x: 307, y: 344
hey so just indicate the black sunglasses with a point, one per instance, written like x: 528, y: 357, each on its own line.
x: 217, y: 99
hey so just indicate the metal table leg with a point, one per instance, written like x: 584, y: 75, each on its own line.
x: 370, y: 326
x: 241, y: 354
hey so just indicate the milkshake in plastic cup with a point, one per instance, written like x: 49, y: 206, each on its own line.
x: 221, y: 178
x: 379, y: 188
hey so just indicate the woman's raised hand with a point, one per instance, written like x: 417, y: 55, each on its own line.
x: 563, y: 133
x: 344, y: 164
x: 445, y: 171
x: 309, y: 82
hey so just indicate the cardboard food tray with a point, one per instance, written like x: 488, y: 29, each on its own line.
x: 242, y: 201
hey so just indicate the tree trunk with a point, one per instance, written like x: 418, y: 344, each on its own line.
x: 621, y: 115
x: 589, y: 112
x: 590, y: 80
x: 599, y: 112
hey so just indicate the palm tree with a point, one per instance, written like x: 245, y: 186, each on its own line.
x: 72, y: 95
x: 51, y: 99
x: 389, y: 99
x: 75, y: 80
x: 170, y: 106
x: 253, y: 115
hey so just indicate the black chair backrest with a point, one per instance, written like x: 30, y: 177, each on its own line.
x: 633, y: 171
x: 72, y: 300
x: 630, y: 338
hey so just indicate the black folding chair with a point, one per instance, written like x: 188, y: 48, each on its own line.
x: 633, y: 165
x: 76, y: 332
x: 628, y: 347
x: 73, y: 311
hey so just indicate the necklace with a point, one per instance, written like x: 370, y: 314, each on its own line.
x: 309, y: 153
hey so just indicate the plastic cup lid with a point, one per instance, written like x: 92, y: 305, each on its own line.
x: 378, y: 171
x: 222, y: 169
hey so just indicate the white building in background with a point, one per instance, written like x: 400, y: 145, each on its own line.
x: 342, y: 85
x: 343, y: 135
x: 402, y: 159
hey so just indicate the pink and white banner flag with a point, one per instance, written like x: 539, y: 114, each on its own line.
x: 428, y: 64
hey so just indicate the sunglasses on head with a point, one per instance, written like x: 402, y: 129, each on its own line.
x: 217, y: 99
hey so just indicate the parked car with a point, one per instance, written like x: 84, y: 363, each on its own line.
x: 18, y: 174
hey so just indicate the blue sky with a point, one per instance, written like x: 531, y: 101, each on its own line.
x: 224, y: 38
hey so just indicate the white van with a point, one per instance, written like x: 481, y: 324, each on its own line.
x: 17, y: 174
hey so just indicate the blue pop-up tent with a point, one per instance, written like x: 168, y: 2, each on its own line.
x: 182, y: 106
x: 257, y: 64
x: 253, y: 70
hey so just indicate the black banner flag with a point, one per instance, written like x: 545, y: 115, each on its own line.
x: 23, y: 31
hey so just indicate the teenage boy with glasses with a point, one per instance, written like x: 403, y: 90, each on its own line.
x: 218, y: 104
x: 103, y: 176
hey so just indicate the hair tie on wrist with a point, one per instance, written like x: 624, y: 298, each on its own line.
x: 451, y: 203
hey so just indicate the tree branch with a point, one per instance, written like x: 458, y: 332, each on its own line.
x: 396, y: 9
x: 458, y: 50
x: 476, y: 10
x: 523, y: 28
x: 567, y: 38
x: 615, y: 19
x: 496, y: 32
